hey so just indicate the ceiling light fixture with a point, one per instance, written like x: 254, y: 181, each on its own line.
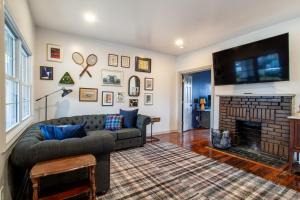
x: 179, y: 43
x: 89, y: 17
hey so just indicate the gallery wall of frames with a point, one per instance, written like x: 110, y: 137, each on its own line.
x: 112, y: 76
x: 105, y: 77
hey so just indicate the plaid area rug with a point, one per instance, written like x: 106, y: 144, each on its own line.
x: 165, y: 171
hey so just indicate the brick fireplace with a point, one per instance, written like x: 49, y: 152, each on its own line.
x: 268, y: 114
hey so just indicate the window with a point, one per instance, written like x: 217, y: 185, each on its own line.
x: 18, y: 80
x: 25, y: 84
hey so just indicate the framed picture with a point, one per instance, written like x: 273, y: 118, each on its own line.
x: 125, y: 61
x: 120, y: 97
x: 46, y: 73
x: 133, y: 102
x: 148, y: 99
x: 113, y: 60
x: 142, y: 64
x: 54, y: 53
x: 148, y: 84
x: 112, y: 78
x: 107, y: 98
x: 88, y: 94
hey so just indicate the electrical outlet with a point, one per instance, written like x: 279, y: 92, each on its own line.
x: 1, y: 193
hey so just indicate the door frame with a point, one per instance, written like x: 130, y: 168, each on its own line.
x: 180, y: 94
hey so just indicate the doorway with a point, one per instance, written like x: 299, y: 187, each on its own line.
x: 196, y: 100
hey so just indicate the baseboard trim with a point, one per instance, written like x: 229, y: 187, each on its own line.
x: 164, y: 132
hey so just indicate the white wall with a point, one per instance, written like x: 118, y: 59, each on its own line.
x: 203, y: 57
x: 163, y: 72
x: 20, y: 12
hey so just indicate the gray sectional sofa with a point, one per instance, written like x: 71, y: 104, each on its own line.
x: 32, y: 148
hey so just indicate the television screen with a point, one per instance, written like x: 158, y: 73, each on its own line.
x: 262, y: 61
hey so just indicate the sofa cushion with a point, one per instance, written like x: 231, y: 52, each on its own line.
x: 98, y: 132
x: 127, y: 133
x: 130, y: 117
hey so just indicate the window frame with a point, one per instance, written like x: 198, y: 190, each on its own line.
x: 20, y: 48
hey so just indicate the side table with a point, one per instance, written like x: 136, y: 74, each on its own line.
x: 62, y: 165
x: 153, y: 120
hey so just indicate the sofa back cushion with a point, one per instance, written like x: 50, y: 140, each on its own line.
x: 61, y: 132
x: 94, y: 122
x: 75, y: 120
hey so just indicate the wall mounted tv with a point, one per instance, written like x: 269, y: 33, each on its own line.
x: 262, y: 61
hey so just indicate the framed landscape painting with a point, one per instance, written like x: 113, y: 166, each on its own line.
x: 107, y: 98
x: 88, y: 94
x: 112, y: 78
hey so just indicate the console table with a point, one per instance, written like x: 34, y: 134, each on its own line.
x: 294, y: 149
x: 63, y: 165
x: 153, y: 120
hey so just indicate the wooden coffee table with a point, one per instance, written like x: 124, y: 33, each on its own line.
x: 62, y: 165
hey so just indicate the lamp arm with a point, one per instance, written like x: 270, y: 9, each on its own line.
x: 49, y: 94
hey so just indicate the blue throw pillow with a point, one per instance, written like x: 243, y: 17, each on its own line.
x: 130, y: 117
x: 61, y: 132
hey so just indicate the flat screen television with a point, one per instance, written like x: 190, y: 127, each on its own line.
x: 262, y: 61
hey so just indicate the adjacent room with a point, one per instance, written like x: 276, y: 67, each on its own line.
x: 140, y: 99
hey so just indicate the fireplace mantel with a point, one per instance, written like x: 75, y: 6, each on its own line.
x: 255, y: 95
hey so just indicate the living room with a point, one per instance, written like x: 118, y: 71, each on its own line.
x: 113, y: 71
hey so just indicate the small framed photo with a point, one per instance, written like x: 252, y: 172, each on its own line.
x: 120, y: 97
x: 113, y: 60
x: 107, y: 98
x: 133, y: 102
x: 54, y: 53
x: 112, y: 78
x: 148, y: 84
x: 148, y: 99
x: 88, y: 94
x: 46, y: 73
x: 142, y: 64
x: 125, y: 61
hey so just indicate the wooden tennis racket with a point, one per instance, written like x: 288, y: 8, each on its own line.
x: 79, y: 60
x: 90, y: 61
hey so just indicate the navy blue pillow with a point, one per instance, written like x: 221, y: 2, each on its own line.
x: 61, y: 132
x: 130, y: 117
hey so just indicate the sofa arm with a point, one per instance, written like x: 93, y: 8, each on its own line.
x: 142, y: 122
x: 28, y: 155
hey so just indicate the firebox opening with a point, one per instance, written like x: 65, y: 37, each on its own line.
x: 249, y: 134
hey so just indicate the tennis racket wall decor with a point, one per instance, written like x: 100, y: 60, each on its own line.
x: 90, y: 61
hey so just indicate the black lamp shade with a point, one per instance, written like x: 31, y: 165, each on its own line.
x: 66, y: 92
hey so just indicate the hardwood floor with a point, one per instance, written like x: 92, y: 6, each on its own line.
x: 198, y: 140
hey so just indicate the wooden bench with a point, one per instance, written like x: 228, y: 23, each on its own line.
x: 63, y: 165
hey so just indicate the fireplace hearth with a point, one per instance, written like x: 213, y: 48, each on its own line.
x: 257, y: 122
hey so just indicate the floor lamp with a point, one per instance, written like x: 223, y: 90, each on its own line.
x: 65, y: 93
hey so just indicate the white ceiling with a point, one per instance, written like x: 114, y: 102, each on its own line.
x: 155, y: 24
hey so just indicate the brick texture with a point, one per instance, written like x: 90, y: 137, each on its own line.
x: 271, y: 111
